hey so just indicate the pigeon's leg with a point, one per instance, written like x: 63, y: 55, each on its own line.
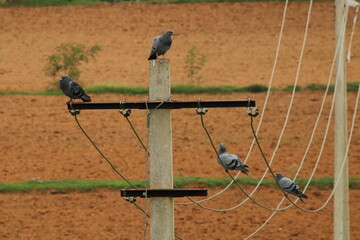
x: 71, y: 101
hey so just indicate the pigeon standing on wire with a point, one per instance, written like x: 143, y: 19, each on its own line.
x: 73, y: 90
x: 289, y: 186
x: 161, y: 44
x: 230, y: 161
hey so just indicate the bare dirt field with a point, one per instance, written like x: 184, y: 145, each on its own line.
x: 40, y: 138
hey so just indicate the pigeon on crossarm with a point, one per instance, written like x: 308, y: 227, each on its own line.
x: 161, y: 44
x: 289, y: 186
x: 73, y: 90
x: 230, y: 161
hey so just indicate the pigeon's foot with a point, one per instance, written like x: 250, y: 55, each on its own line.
x: 161, y: 58
x: 71, y: 101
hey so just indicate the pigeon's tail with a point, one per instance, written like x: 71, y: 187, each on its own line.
x: 85, y: 98
x: 301, y: 195
x: 152, y: 56
x: 244, y: 169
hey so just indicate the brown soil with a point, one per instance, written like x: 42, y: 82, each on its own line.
x: 41, y: 139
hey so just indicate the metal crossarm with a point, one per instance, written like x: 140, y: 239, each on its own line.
x: 163, y: 192
x: 164, y: 105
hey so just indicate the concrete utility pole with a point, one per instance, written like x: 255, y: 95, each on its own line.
x: 341, y: 196
x: 161, y: 189
x: 161, y: 164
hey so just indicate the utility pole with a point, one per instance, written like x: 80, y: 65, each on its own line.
x: 341, y: 196
x: 161, y: 162
x: 161, y: 189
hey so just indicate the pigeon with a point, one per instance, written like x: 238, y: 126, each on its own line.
x: 289, y: 186
x: 230, y: 161
x: 161, y: 44
x: 73, y: 90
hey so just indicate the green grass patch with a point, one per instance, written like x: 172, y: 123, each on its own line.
x: 105, y: 88
x: 37, y: 3
x: 185, y: 89
x: 290, y: 88
x: 65, y: 185
x: 56, y: 186
x: 351, y: 86
x: 47, y: 93
x: 190, y: 89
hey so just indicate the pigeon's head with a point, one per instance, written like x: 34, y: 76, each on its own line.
x: 279, y: 176
x: 63, y: 77
x: 222, y: 148
x: 169, y: 33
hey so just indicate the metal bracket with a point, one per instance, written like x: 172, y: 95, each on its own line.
x: 130, y: 199
x: 201, y: 111
x: 253, y: 111
x: 74, y: 112
x: 125, y: 112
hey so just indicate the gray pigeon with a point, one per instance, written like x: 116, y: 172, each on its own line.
x: 289, y: 186
x: 72, y: 89
x: 161, y: 44
x: 230, y: 161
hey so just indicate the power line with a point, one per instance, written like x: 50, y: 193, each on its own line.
x: 201, y: 113
x: 126, y: 113
x: 335, y: 185
x: 352, y: 128
x: 263, y: 111
x: 101, y: 153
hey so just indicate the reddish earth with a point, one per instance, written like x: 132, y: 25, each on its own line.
x: 40, y: 138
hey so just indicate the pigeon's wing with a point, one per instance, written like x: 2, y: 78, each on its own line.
x: 296, y: 191
x: 289, y: 186
x: 153, y: 52
x: 76, y: 90
x: 232, y: 162
x: 229, y: 161
x: 224, y: 159
x: 238, y: 165
x: 286, y: 184
x: 164, y: 43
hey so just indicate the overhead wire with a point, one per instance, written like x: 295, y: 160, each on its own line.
x: 289, y: 108
x: 312, y: 135
x: 102, y: 154
x: 263, y: 108
x: 126, y: 113
x: 357, y: 6
x: 339, y: 177
x: 349, y: 140
x: 294, y: 89
x: 230, y: 175
x: 238, y: 185
x: 143, y: 146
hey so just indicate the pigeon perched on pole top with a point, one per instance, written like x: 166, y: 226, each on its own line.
x: 289, y: 186
x: 73, y: 90
x: 161, y: 44
x: 230, y: 161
